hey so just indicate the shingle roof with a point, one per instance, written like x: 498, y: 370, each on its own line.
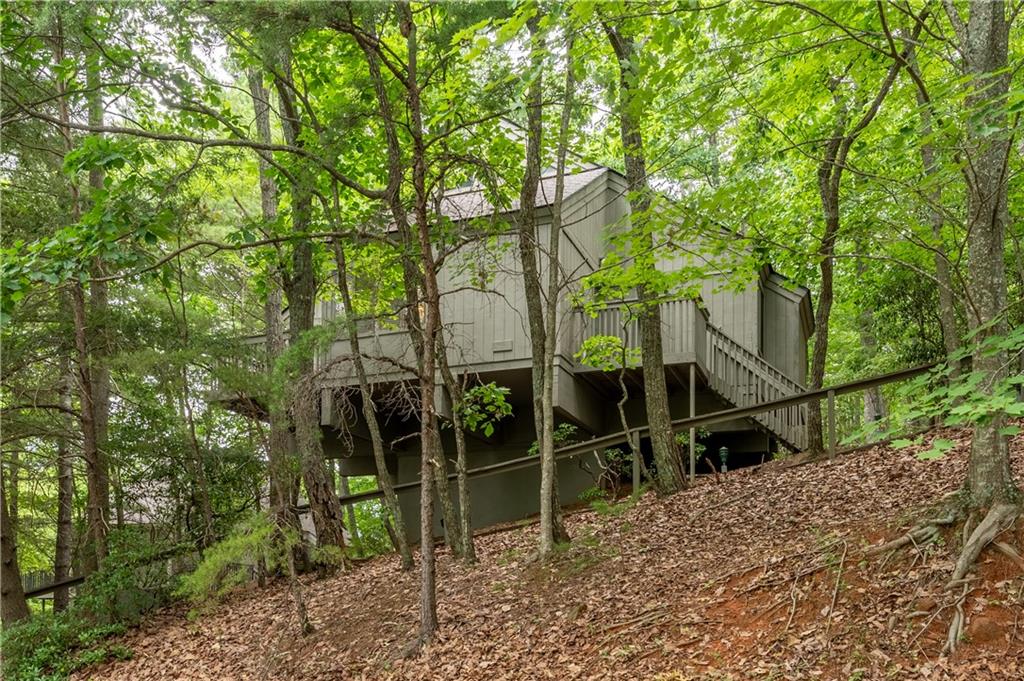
x: 463, y: 204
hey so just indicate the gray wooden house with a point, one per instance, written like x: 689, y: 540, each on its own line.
x: 741, y: 346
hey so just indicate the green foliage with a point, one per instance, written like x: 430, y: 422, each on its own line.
x: 609, y: 507
x: 255, y: 543
x: 593, y: 493
x: 483, y: 406
x: 370, y: 515
x: 607, y: 353
x: 565, y: 434
x: 50, y: 646
x: 958, y: 397
x: 683, y: 440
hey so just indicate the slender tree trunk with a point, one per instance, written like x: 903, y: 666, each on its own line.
x: 97, y: 496
x: 930, y: 165
x: 281, y: 470
x: 13, y: 606
x: 196, y: 465
x: 431, y: 325
x: 370, y: 412
x: 456, y: 395
x: 65, y: 539
x: 281, y: 467
x: 874, y: 402
x: 659, y: 418
x: 100, y: 342
x: 830, y: 175
x: 556, y: 285
x: 984, y: 46
x: 543, y: 415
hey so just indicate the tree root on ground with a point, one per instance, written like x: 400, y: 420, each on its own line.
x: 998, y: 519
x: 920, y: 534
x: 976, y: 537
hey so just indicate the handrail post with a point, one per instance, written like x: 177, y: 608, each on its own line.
x: 831, y: 424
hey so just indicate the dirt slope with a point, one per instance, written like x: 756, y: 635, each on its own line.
x: 725, y: 581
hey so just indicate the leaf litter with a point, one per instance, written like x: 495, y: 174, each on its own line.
x: 762, y: 575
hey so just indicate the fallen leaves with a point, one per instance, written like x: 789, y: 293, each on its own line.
x: 760, y: 576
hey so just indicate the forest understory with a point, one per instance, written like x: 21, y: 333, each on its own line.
x: 762, y: 575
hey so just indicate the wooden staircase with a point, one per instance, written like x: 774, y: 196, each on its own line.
x: 743, y: 379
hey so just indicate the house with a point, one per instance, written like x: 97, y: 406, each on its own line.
x: 736, y: 346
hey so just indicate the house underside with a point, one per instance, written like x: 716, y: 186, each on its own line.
x: 724, y: 374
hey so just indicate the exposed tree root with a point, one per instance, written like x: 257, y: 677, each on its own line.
x: 920, y: 534
x: 976, y: 537
x: 995, y: 521
x: 998, y: 519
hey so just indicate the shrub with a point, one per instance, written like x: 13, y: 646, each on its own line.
x: 235, y: 560
x: 50, y: 646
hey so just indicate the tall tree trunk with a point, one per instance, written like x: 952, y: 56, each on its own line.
x: 556, y: 286
x: 930, y: 165
x: 300, y: 288
x: 13, y: 606
x: 830, y: 175
x: 280, y: 469
x: 984, y: 47
x: 527, y: 231
x: 97, y: 496
x: 659, y: 419
x: 65, y: 539
x: 370, y: 412
x: 99, y: 329
x: 430, y: 329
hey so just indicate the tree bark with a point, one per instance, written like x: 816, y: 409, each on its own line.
x: 65, y: 539
x: 874, y: 402
x: 659, y: 419
x: 280, y: 468
x: 97, y: 495
x: 830, y: 175
x: 13, y: 606
x: 542, y: 334
x: 99, y: 331
x: 984, y: 48
x: 930, y: 166
x: 300, y: 289
x: 430, y: 328
x: 456, y: 395
x: 370, y: 412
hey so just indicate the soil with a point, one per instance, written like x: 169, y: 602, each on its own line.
x: 758, y: 576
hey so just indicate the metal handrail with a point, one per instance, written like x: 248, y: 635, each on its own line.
x: 621, y: 437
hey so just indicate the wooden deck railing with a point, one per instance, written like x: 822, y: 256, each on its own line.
x: 744, y: 379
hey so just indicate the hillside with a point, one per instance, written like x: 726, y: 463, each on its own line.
x: 734, y: 580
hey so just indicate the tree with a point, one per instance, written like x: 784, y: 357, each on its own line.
x: 642, y: 223
x: 543, y: 304
x: 13, y: 606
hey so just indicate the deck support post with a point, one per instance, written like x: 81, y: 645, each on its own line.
x: 831, y: 424
x: 634, y: 445
x: 693, y: 431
